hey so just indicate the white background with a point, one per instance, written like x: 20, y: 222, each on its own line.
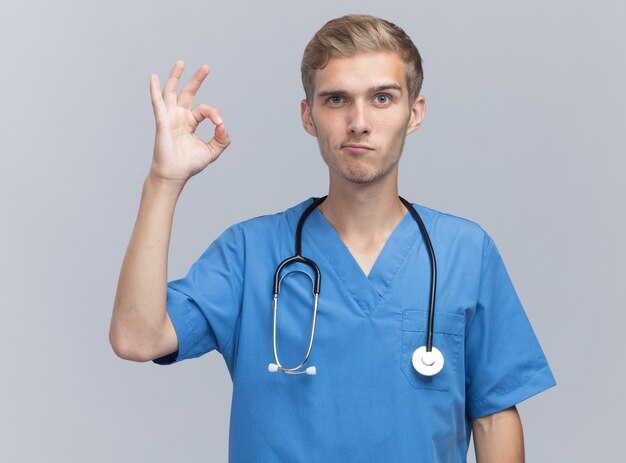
x: 523, y: 134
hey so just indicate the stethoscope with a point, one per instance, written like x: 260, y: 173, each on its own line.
x: 427, y: 360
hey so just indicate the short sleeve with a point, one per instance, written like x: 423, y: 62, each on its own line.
x: 204, y: 306
x: 504, y: 361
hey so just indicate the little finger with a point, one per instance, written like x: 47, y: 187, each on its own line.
x: 158, y: 105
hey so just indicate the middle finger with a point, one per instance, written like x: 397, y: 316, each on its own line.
x: 185, y: 98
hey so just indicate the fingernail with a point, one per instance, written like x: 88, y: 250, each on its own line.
x: 219, y: 121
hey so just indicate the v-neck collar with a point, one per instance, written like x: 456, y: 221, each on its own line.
x: 367, y: 291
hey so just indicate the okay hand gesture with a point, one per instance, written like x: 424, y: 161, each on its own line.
x: 178, y: 153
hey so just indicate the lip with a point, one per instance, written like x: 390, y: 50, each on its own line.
x: 356, y: 148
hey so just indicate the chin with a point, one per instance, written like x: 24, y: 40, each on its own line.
x: 361, y: 177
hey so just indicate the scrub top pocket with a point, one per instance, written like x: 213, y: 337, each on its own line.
x: 447, y: 337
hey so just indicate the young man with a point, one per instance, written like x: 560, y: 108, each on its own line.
x: 367, y: 402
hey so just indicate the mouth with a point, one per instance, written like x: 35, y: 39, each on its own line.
x: 356, y: 148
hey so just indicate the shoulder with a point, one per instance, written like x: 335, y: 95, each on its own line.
x: 450, y: 228
x: 459, y: 238
x: 273, y: 223
x: 256, y: 232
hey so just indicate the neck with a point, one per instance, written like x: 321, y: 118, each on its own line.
x: 364, y: 212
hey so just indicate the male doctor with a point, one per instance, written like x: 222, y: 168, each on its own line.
x: 362, y: 77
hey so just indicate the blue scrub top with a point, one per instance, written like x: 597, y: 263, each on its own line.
x: 366, y: 402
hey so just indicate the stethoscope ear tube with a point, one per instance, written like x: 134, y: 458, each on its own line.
x: 293, y: 260
x: 427, y: 360
x: 316, y: 202
x: 274, y: 367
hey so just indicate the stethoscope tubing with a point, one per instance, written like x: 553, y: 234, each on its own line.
x: 317, y: 284
x: 433, y: 272
x: 316, y: 288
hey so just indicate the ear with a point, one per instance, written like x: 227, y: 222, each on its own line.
x: 418, y: 111
x: 307, y: 118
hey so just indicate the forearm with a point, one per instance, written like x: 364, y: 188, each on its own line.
x: 499, y: 438
x: 139, y: 313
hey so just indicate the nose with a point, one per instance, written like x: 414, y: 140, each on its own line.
x: 358, y: 123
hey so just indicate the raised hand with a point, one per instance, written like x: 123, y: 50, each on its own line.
x: 178, y: 153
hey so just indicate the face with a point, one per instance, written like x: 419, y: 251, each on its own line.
x: 360, y: 114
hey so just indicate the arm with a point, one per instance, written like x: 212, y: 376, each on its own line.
x: 140, y: 326
x: 498, y: 438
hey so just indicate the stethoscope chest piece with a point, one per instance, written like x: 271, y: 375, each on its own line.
x: 427, y: 363
x: 427, y: 360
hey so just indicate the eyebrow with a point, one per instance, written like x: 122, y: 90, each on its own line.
x: 376, y: 89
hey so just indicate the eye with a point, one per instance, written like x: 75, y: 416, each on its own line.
x: 382, y: 99
x: 335, y: 99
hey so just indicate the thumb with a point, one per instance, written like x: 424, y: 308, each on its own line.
x: 220, y: 140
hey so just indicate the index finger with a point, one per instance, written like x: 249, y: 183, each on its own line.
x: 169, y: 90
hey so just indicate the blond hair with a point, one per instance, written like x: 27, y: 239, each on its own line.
x: 356, y: 33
